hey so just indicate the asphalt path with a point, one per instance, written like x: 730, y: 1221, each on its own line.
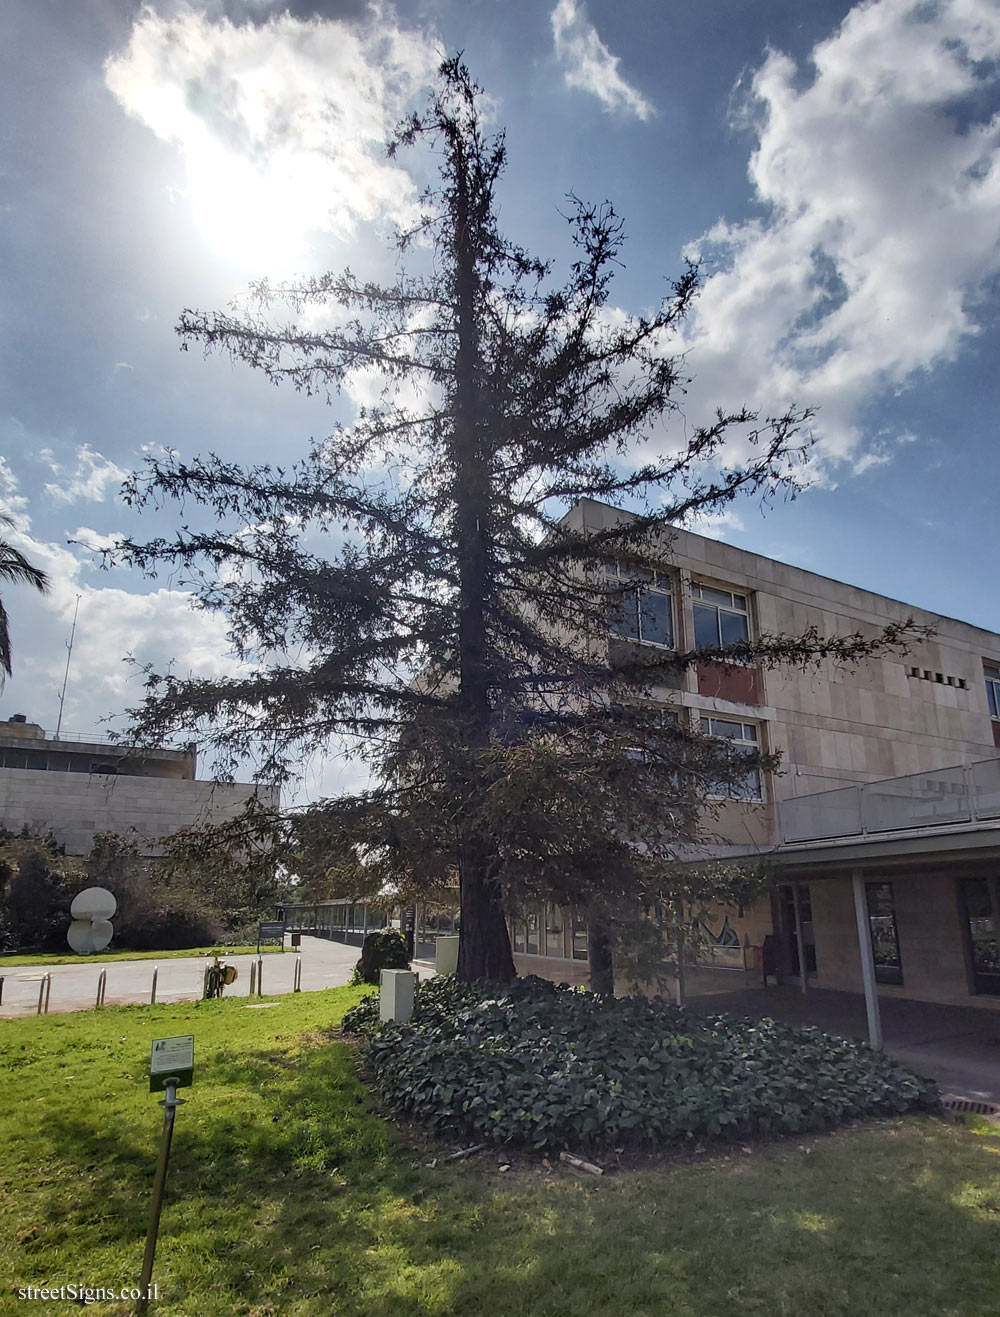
x: 129, y: 982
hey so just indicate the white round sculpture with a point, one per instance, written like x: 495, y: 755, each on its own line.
x: 93, y: 903
x: 91, y: 929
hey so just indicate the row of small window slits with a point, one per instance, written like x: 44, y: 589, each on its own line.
x: 924, y: 674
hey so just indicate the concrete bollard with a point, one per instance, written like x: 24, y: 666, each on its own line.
x: 396, y: 994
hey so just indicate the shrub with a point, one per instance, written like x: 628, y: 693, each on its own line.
x: 555, y: 1067
x: 385, y: 949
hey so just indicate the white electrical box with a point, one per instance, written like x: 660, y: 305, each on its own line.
x: 396, y: 993
x: 446, y: 955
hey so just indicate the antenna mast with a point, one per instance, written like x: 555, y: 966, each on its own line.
x: 69, y: 655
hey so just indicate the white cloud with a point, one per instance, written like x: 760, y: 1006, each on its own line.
x: 587, y: 63
x: 282, y: 124
x: 162, y: 628
x: 90, y: 479
x: 882, y: 226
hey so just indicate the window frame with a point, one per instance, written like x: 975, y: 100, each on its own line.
x: 698, y: 600
x: 755, y: 743
x: 992, y: 688
x: 630, y: 578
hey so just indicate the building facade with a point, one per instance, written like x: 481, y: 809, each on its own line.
x: 927, y: 721
x: 76, y: 787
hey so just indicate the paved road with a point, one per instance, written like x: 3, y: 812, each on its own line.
x: 74, y: 987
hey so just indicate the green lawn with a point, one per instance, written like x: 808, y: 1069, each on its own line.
x: 288, y: 1195
x: 70, y: 958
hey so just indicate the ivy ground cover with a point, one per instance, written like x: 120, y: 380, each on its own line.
x: 561, y: 1068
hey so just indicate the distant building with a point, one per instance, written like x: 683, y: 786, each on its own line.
x: 75, y: 787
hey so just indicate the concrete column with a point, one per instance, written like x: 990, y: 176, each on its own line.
x: 867, y: 958
x: 803, y: 972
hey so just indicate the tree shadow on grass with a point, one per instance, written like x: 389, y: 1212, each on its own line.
x: 298, y: 1199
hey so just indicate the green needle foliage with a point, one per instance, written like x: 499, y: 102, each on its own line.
x: 412, y: 591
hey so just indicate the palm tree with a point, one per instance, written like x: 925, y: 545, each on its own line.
x: 14, y: 566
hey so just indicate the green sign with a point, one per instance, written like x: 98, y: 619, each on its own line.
x: 171, y: 1058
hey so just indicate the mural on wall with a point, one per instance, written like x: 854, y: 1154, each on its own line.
x: 722, y: 948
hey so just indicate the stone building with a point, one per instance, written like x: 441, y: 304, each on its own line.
x: 882, y: 827
x: 77, y: 786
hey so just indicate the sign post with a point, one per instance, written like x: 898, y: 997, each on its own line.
x: 274, y: 929
x: 171, y: 1066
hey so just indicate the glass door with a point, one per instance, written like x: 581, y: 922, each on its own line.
x: 980, y: 897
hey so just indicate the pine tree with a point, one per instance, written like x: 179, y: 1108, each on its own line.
x: 453, y: 627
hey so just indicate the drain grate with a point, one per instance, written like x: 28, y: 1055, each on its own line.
x: 966, y: 1104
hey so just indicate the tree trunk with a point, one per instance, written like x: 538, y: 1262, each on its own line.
x: 484, y: 942
x: 602, y: 969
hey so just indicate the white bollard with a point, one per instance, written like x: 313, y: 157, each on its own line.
x: 396, y: 994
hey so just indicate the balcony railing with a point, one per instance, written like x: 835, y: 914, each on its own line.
x: 966, y: 793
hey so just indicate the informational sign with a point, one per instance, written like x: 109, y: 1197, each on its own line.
x: 171, y: 1058
x: 275, y: 929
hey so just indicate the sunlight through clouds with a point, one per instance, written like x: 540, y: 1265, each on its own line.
x: 282, y: 125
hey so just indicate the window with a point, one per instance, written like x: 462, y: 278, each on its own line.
x: 992, y: 675
x: 580, y: 950
x: 882, y: 923
x: 640, y: 606
x: 720, y: 616
x: 554, y: 941
x: 744, y: 740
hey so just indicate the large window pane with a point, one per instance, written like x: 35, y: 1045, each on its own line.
x: 554, y: 923
x: 706, y: 626
x: 654, y: 621
x: 734, y: 627
x: 882, y: 924
x: 531, y: 929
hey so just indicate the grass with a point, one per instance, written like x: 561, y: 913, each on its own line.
x: 47, y: 958
x: 289, y: 1194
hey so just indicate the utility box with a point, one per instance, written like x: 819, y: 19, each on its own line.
x: 396, y: 992
x: 446, y: 955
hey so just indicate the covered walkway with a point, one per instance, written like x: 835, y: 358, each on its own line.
x: 958, y: 1046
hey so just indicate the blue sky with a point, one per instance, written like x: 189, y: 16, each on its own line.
x: 837, y: 169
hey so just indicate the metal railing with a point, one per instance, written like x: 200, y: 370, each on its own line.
x: 965, y: 793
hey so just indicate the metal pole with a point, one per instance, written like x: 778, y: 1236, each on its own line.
x: 253, y: 978
x: 170, y: 1104
x: 867, y: 959
x: 297, y: 982
x: 803, y: 977
x: 1, y: 989
x: 69, y: 655
x: 152, y: 990
x: 102, y: 983
x: 41, y: 994
x: 48, y: 991
x: 260, y: 976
